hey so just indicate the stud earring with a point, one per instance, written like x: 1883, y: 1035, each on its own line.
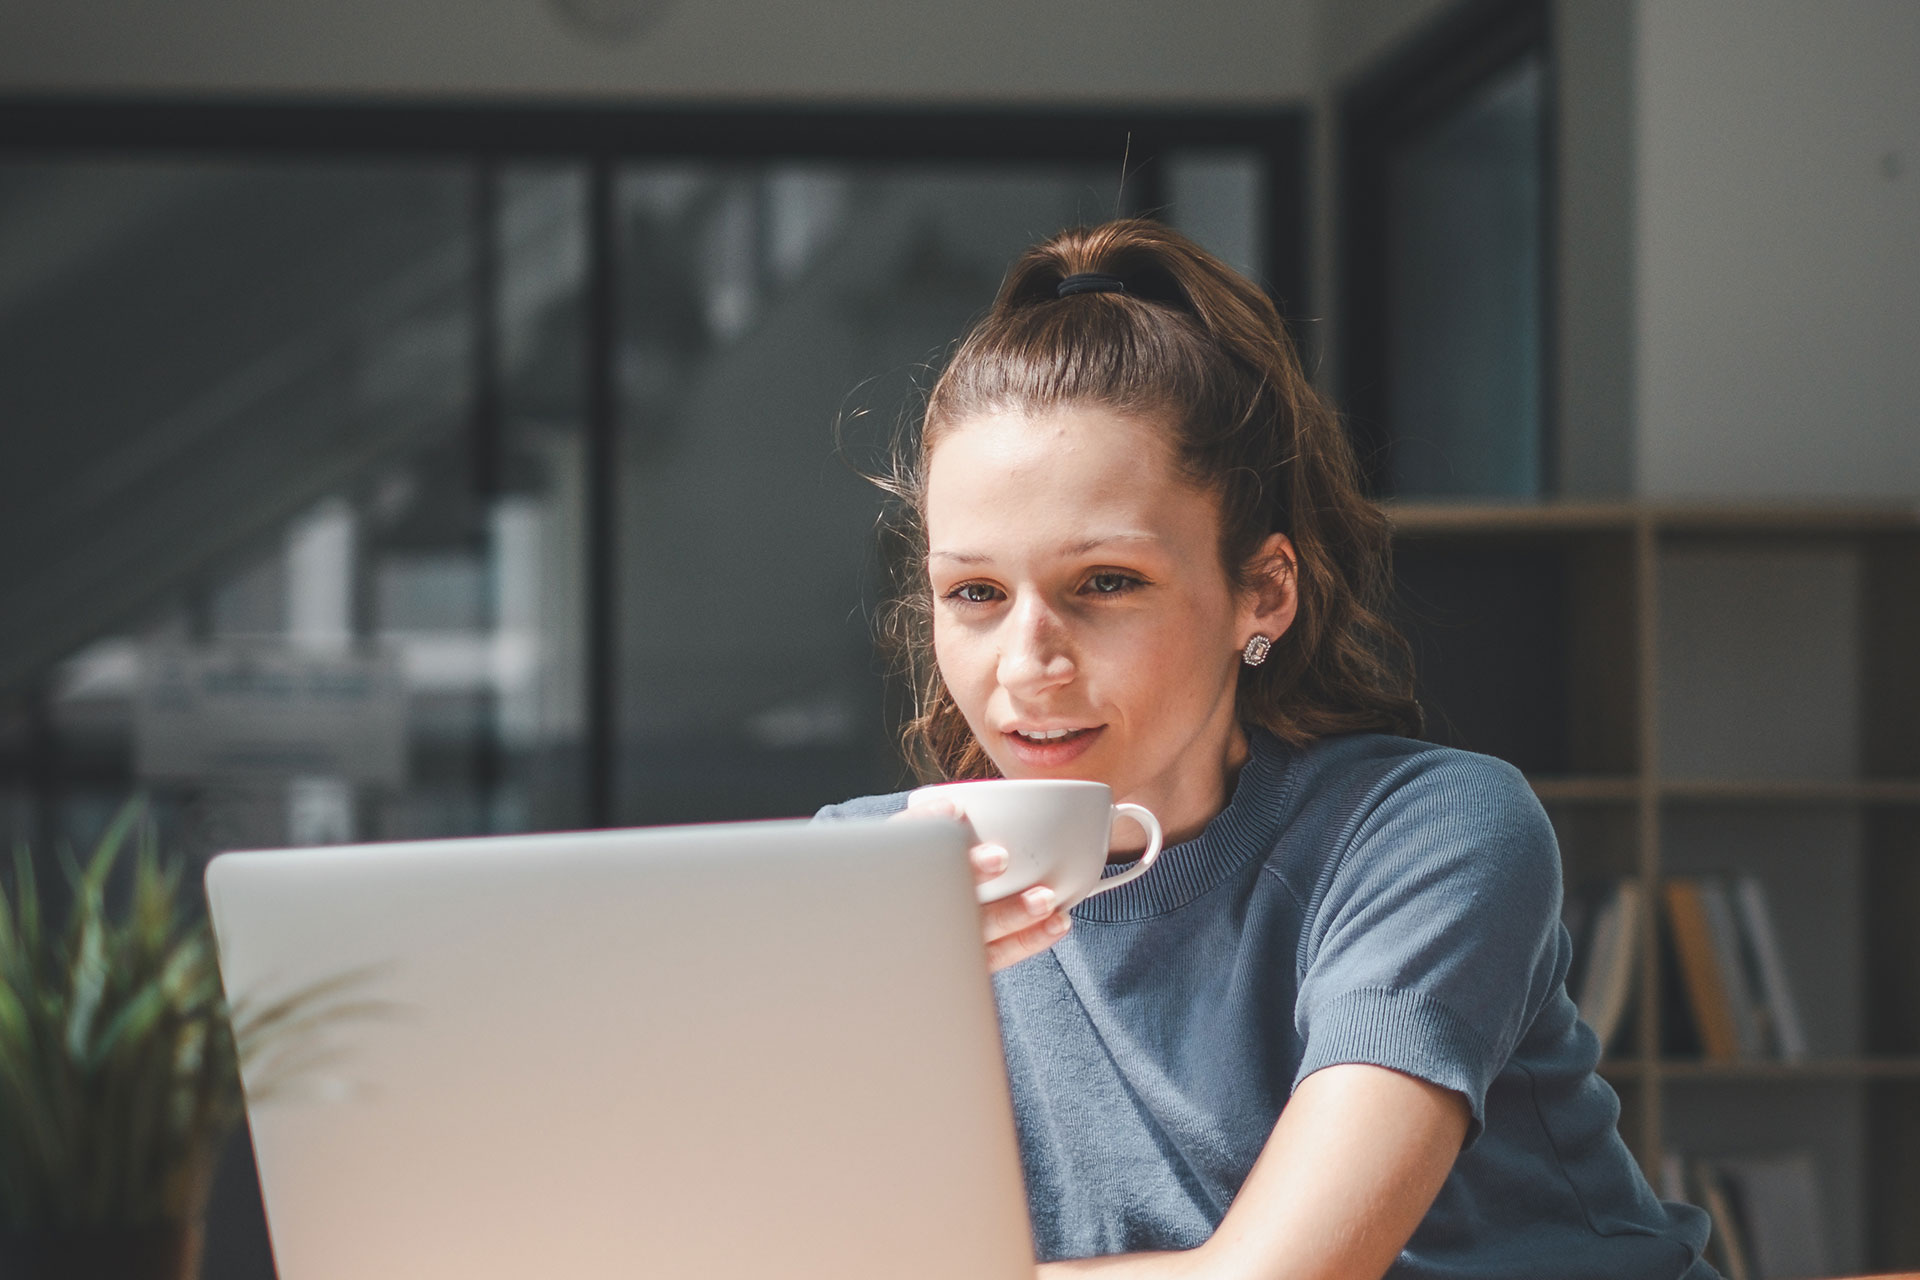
x: 1256, y: 651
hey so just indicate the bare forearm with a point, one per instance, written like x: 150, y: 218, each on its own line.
x: 1349, y: 1171
x: 1204, y: 1263
x: 1179, y: 1265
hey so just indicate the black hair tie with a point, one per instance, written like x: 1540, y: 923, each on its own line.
x: 1090, y: 282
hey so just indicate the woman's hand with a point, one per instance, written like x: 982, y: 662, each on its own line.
x: 1015, y: 927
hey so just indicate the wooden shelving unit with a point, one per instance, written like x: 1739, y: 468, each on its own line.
x: 1717, y: 688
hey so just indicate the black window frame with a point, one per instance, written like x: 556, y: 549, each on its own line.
x: 1433, y: 73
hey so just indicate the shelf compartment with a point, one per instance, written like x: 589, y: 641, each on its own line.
x: 1686, y: 1070
x: 1890, y: 639
x: 1891, y: 912
x: 1525, y: 643
x: 1887, y: 791
x: 1750, y: 521
x: 1504, y: 519
x: 1893, y: 1176
x: 1666, y: 520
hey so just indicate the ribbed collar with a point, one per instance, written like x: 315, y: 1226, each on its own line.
x: 1246, y: 829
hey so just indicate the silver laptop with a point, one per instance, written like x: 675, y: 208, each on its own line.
x: 754, y: 1050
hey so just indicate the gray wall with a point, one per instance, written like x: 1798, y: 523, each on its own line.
x: 1777, y: 221
x: 1002, y: 50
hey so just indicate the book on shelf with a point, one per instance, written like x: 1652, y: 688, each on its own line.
x: 1576, y: 913
x: 1733, y: 975
x: 1679, y: 1030
x: 1673, y: 1177
x: 1725, y: 994
x: 1727, y: 1245
x: 1766, y: 1212
x: 1605, y: 925
x: 1729, y: 958
x: 1769, y: 965
x: 1701, y: 971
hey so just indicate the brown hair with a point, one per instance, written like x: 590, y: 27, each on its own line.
x: 1194, y: 345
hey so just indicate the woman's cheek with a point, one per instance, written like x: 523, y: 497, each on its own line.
x: 959, y: 659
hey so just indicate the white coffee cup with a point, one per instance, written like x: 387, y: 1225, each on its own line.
x: 1056, y: 832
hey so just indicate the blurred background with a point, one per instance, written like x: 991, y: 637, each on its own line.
x: 421, y: 419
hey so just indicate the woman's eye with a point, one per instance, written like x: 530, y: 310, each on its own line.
x: 973, y: 593
x: 1111, y: 584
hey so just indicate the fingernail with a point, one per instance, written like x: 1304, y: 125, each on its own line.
x: 991, y: 857
x: 1039, y: 900
x: 1058, y: 924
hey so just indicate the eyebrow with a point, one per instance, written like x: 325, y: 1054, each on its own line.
x: 1066, y: 550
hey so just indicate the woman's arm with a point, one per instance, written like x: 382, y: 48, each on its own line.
x: 1354, y: 1163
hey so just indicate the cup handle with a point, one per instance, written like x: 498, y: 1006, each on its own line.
x: 1151, y: 825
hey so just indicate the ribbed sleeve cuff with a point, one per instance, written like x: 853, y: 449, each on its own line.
x: 1405, y: 1031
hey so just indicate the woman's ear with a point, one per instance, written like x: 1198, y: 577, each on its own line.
x: 1273, y: 590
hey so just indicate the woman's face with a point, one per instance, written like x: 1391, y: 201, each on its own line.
x: 1081, y: 616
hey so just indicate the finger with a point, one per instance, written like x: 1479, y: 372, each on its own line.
x: 989, y: 860
x: 1011, y: 914
x: 931, y: 807
x: 1030, y: 941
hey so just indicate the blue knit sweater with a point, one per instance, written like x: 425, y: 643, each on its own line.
x: 1369, y: 899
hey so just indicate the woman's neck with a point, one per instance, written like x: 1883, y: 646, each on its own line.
x: 1186, y: 803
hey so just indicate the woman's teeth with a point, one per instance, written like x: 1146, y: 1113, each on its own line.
x: 1046, y: 735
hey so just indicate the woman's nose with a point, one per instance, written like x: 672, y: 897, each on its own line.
x: 1035, y: 652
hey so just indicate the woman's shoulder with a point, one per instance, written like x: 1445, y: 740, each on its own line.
x: 877, y: 806
x: 1383, y: 801
x: 1368, y: 769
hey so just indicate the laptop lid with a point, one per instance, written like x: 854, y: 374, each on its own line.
x: 745, y: 1050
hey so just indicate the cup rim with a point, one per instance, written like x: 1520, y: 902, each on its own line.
x: 1013, y: 782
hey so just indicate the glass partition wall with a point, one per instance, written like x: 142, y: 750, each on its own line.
x: 376, y: 474
x: 297, y: 468
x: 766, y: 305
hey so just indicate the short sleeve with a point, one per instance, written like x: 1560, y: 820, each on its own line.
x: 880, y: 806
x: 1433, y: 937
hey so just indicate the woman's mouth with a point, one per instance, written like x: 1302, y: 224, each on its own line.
x: 1050, y: 748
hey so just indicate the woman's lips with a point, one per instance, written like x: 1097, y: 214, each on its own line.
x: 1054, y: 753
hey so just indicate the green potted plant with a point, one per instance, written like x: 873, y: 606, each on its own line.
x: 119, y: 1068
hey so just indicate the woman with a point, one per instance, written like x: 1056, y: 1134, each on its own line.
x: 1328, y: 1033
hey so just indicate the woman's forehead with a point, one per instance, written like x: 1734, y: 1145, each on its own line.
x: 1063, y: 478
x: 1072, y: 442
x: 1120, y: 543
